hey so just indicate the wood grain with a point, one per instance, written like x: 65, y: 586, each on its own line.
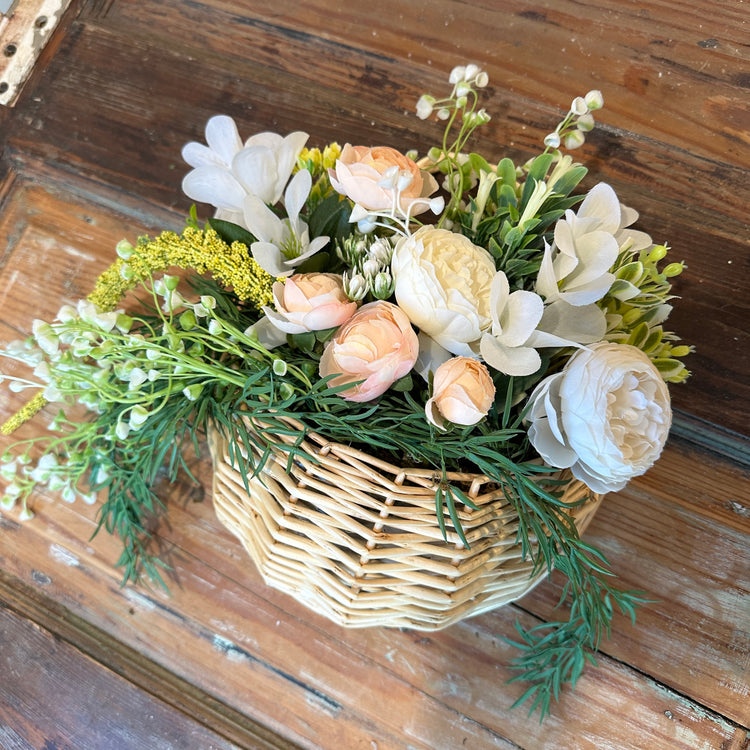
x: 668, y: 147
x: 92, y: 707
x: 91, y: 154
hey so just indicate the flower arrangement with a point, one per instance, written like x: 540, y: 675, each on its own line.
x: 447, y: 312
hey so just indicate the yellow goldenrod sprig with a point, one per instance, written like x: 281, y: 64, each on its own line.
x: 200, y: 250
x: 24, y: 414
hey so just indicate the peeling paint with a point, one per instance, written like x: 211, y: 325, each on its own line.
x: 65, y: 557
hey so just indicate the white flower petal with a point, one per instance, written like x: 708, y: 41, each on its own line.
x: 573, y: 325
x: 269, y: 336
x: 261, y: 221
x: 603, y: 204
x: 255, y: 167
x: 518, y: 360
x: 223, y: 138
x: 546, y: 281
x: 297, y: 193
x: 198, y: 155
x: 213, y: 185
x: 269, y: 258
x: 521, y: 315
x: 431, y: 355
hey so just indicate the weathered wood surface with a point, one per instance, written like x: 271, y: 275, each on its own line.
x: 91, y: 155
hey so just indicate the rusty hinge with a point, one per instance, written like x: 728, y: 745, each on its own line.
x: 25, y: 27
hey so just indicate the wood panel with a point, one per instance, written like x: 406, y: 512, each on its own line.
x: 92, y: 707
x: 91, y: 155
x: 672, y: 140
x: 260, y: 654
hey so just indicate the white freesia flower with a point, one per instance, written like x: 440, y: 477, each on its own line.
x: 515, y: 316
x: 606, y: 416
x: 225, y: 171
x: 577, y: 267
x: 282, y: 243
x: 442, y: 282
x: 522, y: 323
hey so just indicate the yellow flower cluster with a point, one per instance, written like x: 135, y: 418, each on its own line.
x: 200, y: 250
x: 316, y: 161
x: 24, y: 414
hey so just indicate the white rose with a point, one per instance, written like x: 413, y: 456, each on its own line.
x: 442, y: 283
x: 606, y: 416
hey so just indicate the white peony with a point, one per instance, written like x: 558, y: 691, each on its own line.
x: 606, y: 416
x: 442, y: 283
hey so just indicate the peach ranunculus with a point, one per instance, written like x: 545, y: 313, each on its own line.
x: 377, y: 345
x: 462, y: 392
x: 310, y: 302
x: 359, y: 175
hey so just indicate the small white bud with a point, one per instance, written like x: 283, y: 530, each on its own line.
x: 463, y: 89
x: 425, y: 106
x: 389, y: 178
x: 7, y: 502
x: 382, y: 285
x: 579, y: 106
x: 404, y: 180
x: 25, y: 514
x: 585, y: 123
x: 481, y: 80
x: 552, y: 140
x: 457, y: 74
x: 214, y: 327
x: 279, y: 367
x: 594, y: 100
x: 192, y: 392
x: 124, y: 249
x: 443, y: 113
x: 138, y: 416
x: 366, y: 225
x: 471, y: 71
x: 359, y: 213
x: 574, y: 140
x: 437, y: 205
x: 121, y: 430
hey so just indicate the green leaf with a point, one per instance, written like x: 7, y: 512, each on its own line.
x: 230, y: 232
x: 331, y: 218
x: 569, y: 181
x: 506, y: 171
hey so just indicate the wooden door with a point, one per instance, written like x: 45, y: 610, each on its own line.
x: 91, y: 154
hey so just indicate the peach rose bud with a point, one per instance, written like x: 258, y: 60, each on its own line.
x: 462, y: 393
x: 377, y: 345
x: 310, y: 302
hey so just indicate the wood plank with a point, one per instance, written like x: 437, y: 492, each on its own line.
x: 51, y: 695
x: 396, y: 688
x: 319, y: 685
x: 332, y: 82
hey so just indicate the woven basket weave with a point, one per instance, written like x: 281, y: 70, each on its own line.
x: 357, y: 539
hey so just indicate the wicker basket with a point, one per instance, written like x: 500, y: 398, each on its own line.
x: 357, y: 539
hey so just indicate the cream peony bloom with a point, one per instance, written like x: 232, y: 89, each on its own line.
x: 310, y: 302
x: 442, y: 283
x: 377, y: 345
x: 462, y: 393
x: 606, y: 416
x: 376, y: 178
